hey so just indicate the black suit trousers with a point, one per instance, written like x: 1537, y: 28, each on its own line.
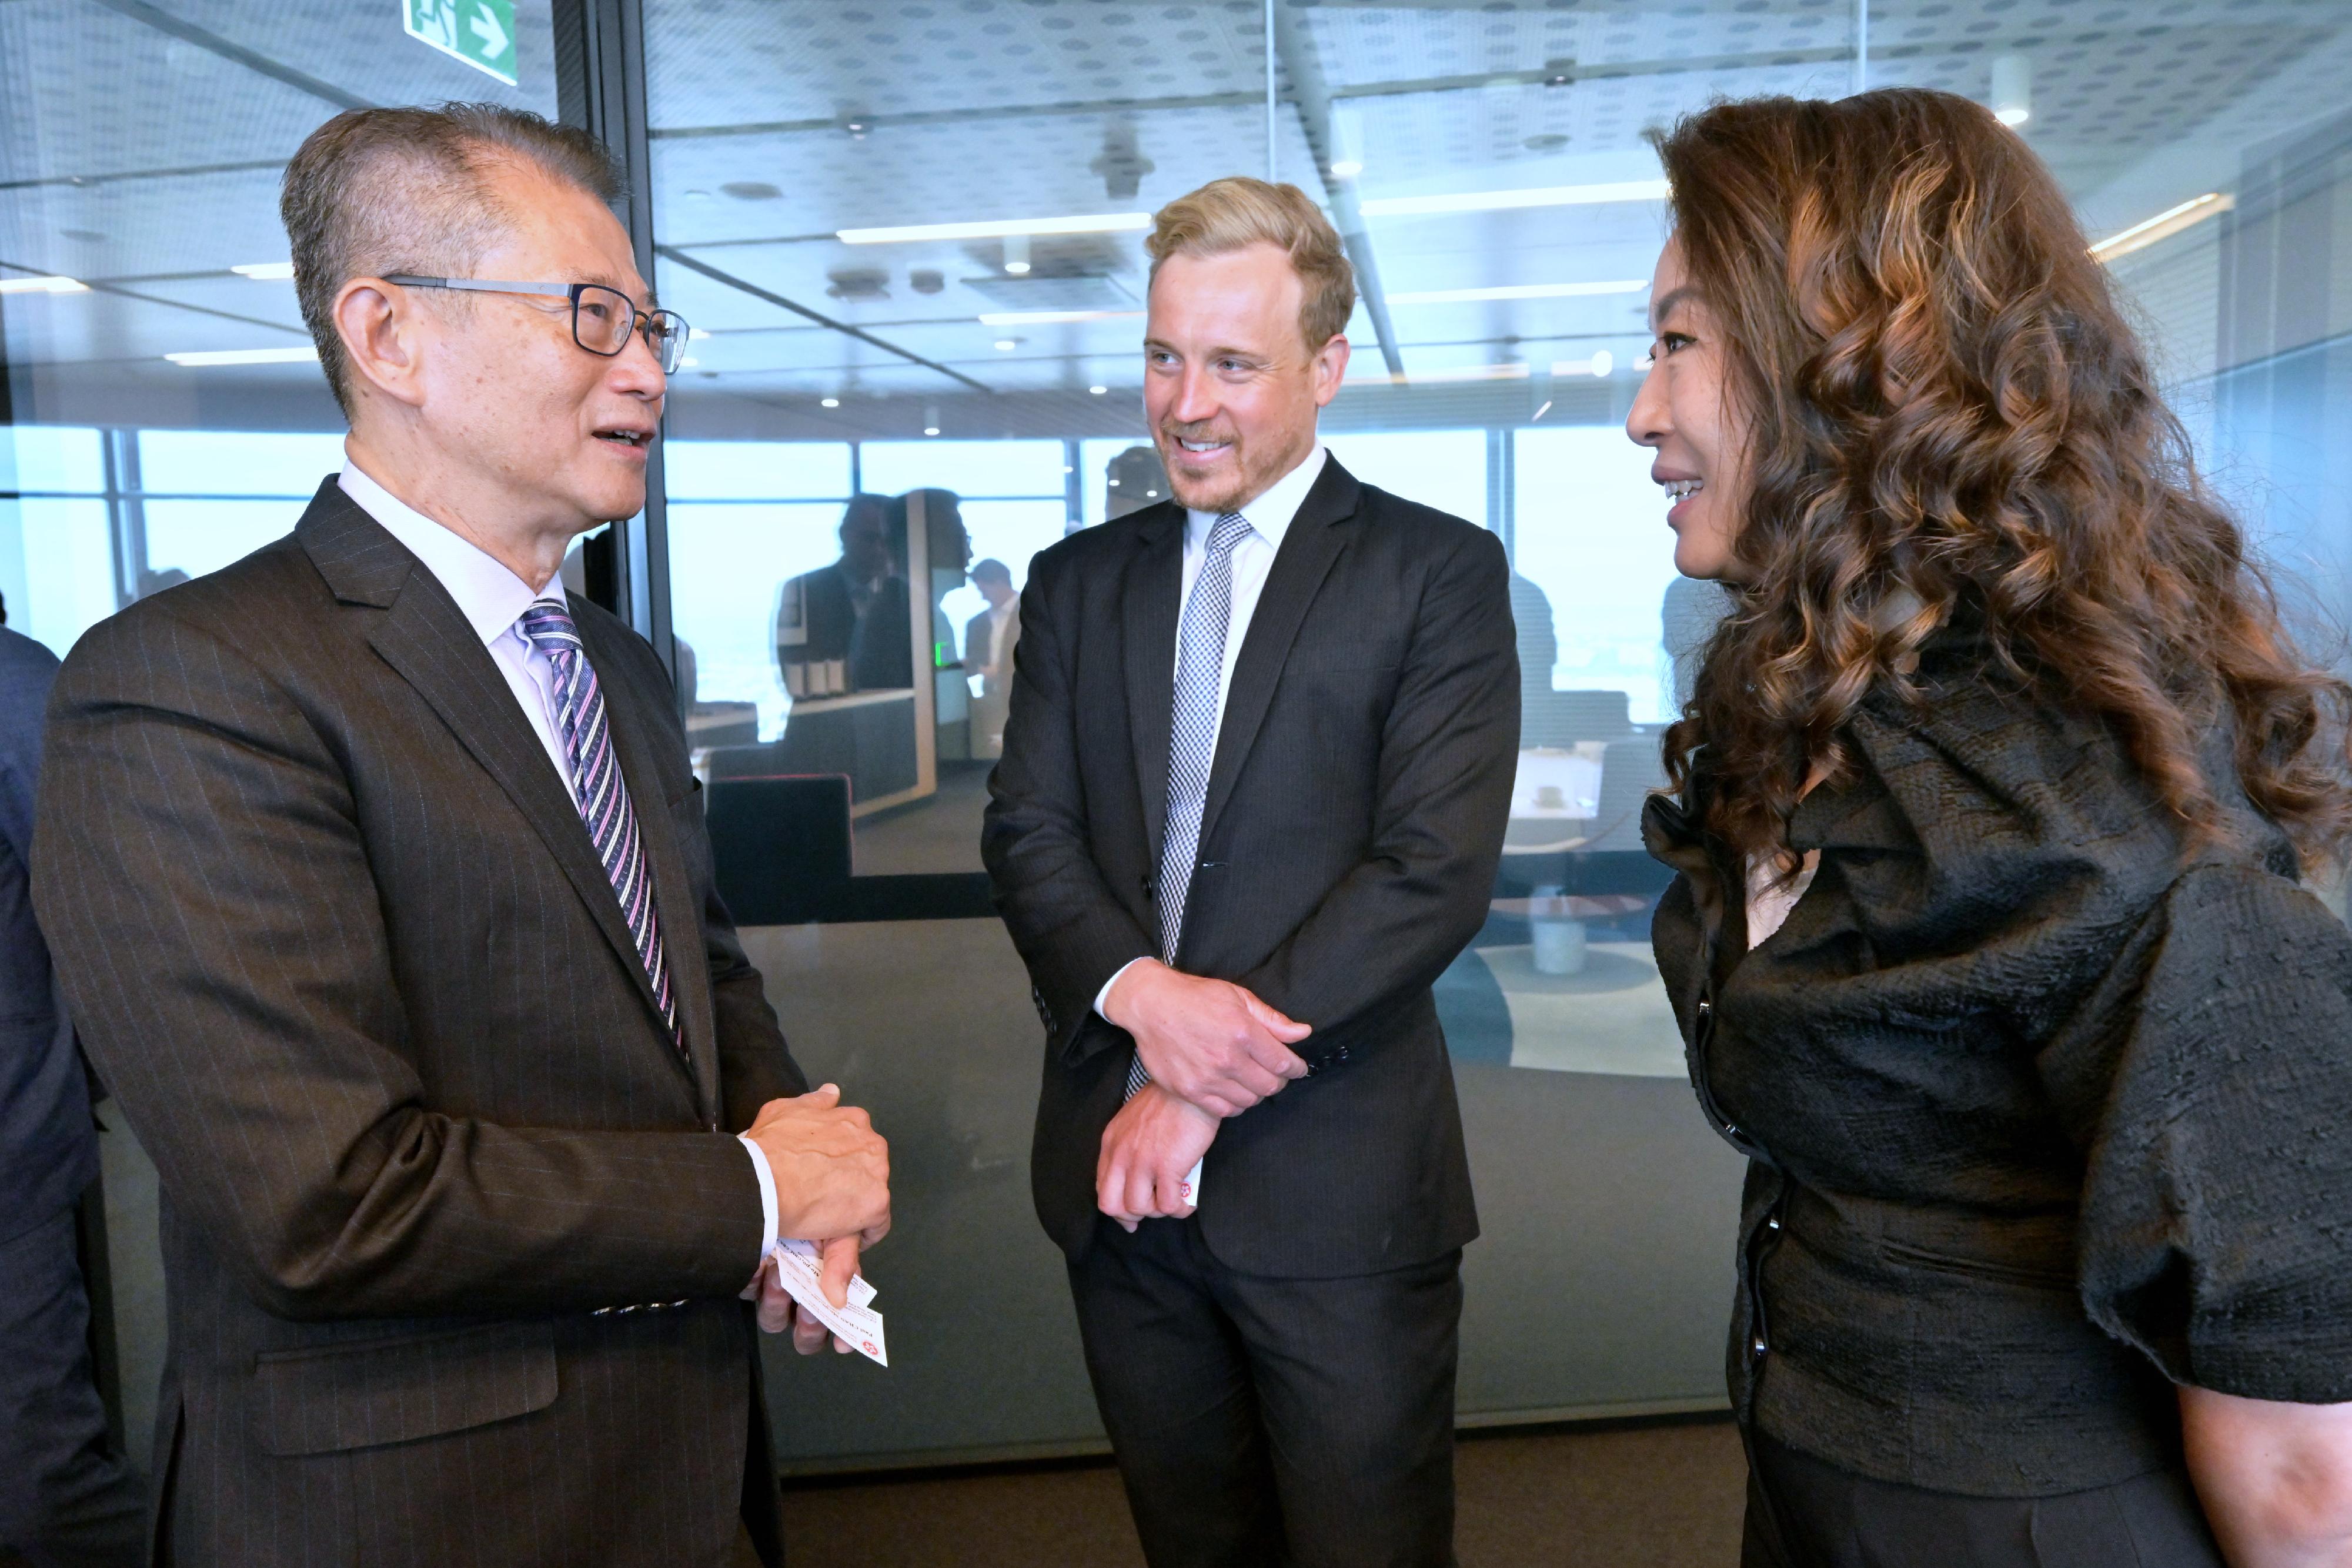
x: 1303, y: 1423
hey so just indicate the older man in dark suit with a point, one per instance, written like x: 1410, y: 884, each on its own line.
x: 1252, y: 801
x: 379, y: 885
x: 65, y: 1493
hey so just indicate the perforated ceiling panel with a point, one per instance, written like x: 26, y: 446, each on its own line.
x: 140, y: 147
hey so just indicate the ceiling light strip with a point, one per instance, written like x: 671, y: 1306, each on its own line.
x: 1507, y: 200
x: 198, y: 359
x: 1000, y: 228
x: 1048, y: 318
x: 2164, y: 226
x: 1519, y: 291
x: 44, y: 285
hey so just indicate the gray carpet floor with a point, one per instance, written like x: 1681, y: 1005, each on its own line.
x: 1627, y: 1497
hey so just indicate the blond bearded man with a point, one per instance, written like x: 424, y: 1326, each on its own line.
x: 1253, y: 796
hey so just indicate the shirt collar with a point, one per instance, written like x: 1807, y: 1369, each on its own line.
x: 1270, y: 514
x: 490, y: 596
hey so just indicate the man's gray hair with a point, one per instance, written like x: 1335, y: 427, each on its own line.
x: 408, y: 189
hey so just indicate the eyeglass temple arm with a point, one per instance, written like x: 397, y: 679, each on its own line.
x: 484, y: 285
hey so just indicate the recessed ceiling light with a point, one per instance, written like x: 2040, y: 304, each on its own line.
x: 43, y: 285
x: 1347, y: 169
x: 1519, y: 291
x: 930, y: 430
x: 244, y: 357
x: 830, y: 402
x: 998, y: 228
x: 1098, y: 390
x: 1504, y: 201
x: 1017, y: 268
x: 1601, y: 362
x: 1006, y: 345
x: 2012, y: 90
x: 265, y: 271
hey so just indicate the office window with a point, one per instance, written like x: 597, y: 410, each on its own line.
x: 1488, y: 167
x: 908, y: 239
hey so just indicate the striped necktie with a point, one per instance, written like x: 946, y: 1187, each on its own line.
x: 1192, y: 734
x: 597, y: 787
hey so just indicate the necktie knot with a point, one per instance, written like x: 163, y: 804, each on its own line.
x: 548, y: 626
x: 1231, y: 529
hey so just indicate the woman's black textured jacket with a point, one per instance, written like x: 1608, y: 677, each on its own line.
x: 2043, y: 1112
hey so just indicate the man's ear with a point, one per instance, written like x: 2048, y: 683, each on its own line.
x: 384, y: 341
x: 1330, y: 369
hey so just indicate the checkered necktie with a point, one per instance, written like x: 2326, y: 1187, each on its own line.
x: 1193, y: 736
x: 596, y: 786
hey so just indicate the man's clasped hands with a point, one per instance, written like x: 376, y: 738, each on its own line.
x: 1212, y: 1048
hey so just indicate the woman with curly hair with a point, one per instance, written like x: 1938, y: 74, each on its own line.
x: 1991, y: 807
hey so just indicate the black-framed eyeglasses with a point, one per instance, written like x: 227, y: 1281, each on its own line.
x: 602, y: 318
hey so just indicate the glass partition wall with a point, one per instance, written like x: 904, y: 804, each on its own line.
x: 908, y: 238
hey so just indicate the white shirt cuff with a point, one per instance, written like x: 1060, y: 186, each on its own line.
x: 767, y: 1195
x: 1104, y: 995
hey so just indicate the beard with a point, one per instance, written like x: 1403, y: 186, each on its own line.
x: 1245, y: 478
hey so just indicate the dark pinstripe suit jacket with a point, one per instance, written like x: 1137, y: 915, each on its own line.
x: 334, y: 932
x: 1355, y: 817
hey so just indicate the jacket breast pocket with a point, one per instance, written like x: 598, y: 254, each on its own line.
x: 360, y: 1395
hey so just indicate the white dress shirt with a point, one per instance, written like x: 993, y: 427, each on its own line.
x: 492, y: 599
x: 1000, y: 616
x: 1269, y: 518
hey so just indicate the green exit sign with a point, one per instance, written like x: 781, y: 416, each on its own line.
x: 480, y: 32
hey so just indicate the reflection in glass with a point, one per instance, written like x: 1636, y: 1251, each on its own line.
x: 1505, y: 217
x: 820, y: 614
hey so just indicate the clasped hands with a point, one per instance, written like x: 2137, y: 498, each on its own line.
x: 831, y: 1172
x: 1214, y: 1050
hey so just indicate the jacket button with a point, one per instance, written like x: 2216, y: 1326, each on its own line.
x: 1758, y: 1346
x: 1771, y: 1222
x: 1706, y: 1007
x: 1731, y: 1129
x: 600, y: 1312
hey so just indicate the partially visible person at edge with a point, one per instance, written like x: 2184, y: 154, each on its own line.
x: 1991, y: 807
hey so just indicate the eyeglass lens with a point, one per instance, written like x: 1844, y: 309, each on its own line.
x: 602, y: 319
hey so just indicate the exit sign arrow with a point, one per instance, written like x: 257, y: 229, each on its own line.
x: 480, y: 32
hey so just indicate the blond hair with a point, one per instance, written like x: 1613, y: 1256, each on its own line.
x: 1237, y: 211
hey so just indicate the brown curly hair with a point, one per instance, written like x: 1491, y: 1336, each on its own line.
x: 1951, y: 418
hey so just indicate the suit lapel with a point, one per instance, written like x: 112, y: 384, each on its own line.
x: 427, y: 641
x: 1155, y: 587
x: 1312, y: 543
x: 674, y: 901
